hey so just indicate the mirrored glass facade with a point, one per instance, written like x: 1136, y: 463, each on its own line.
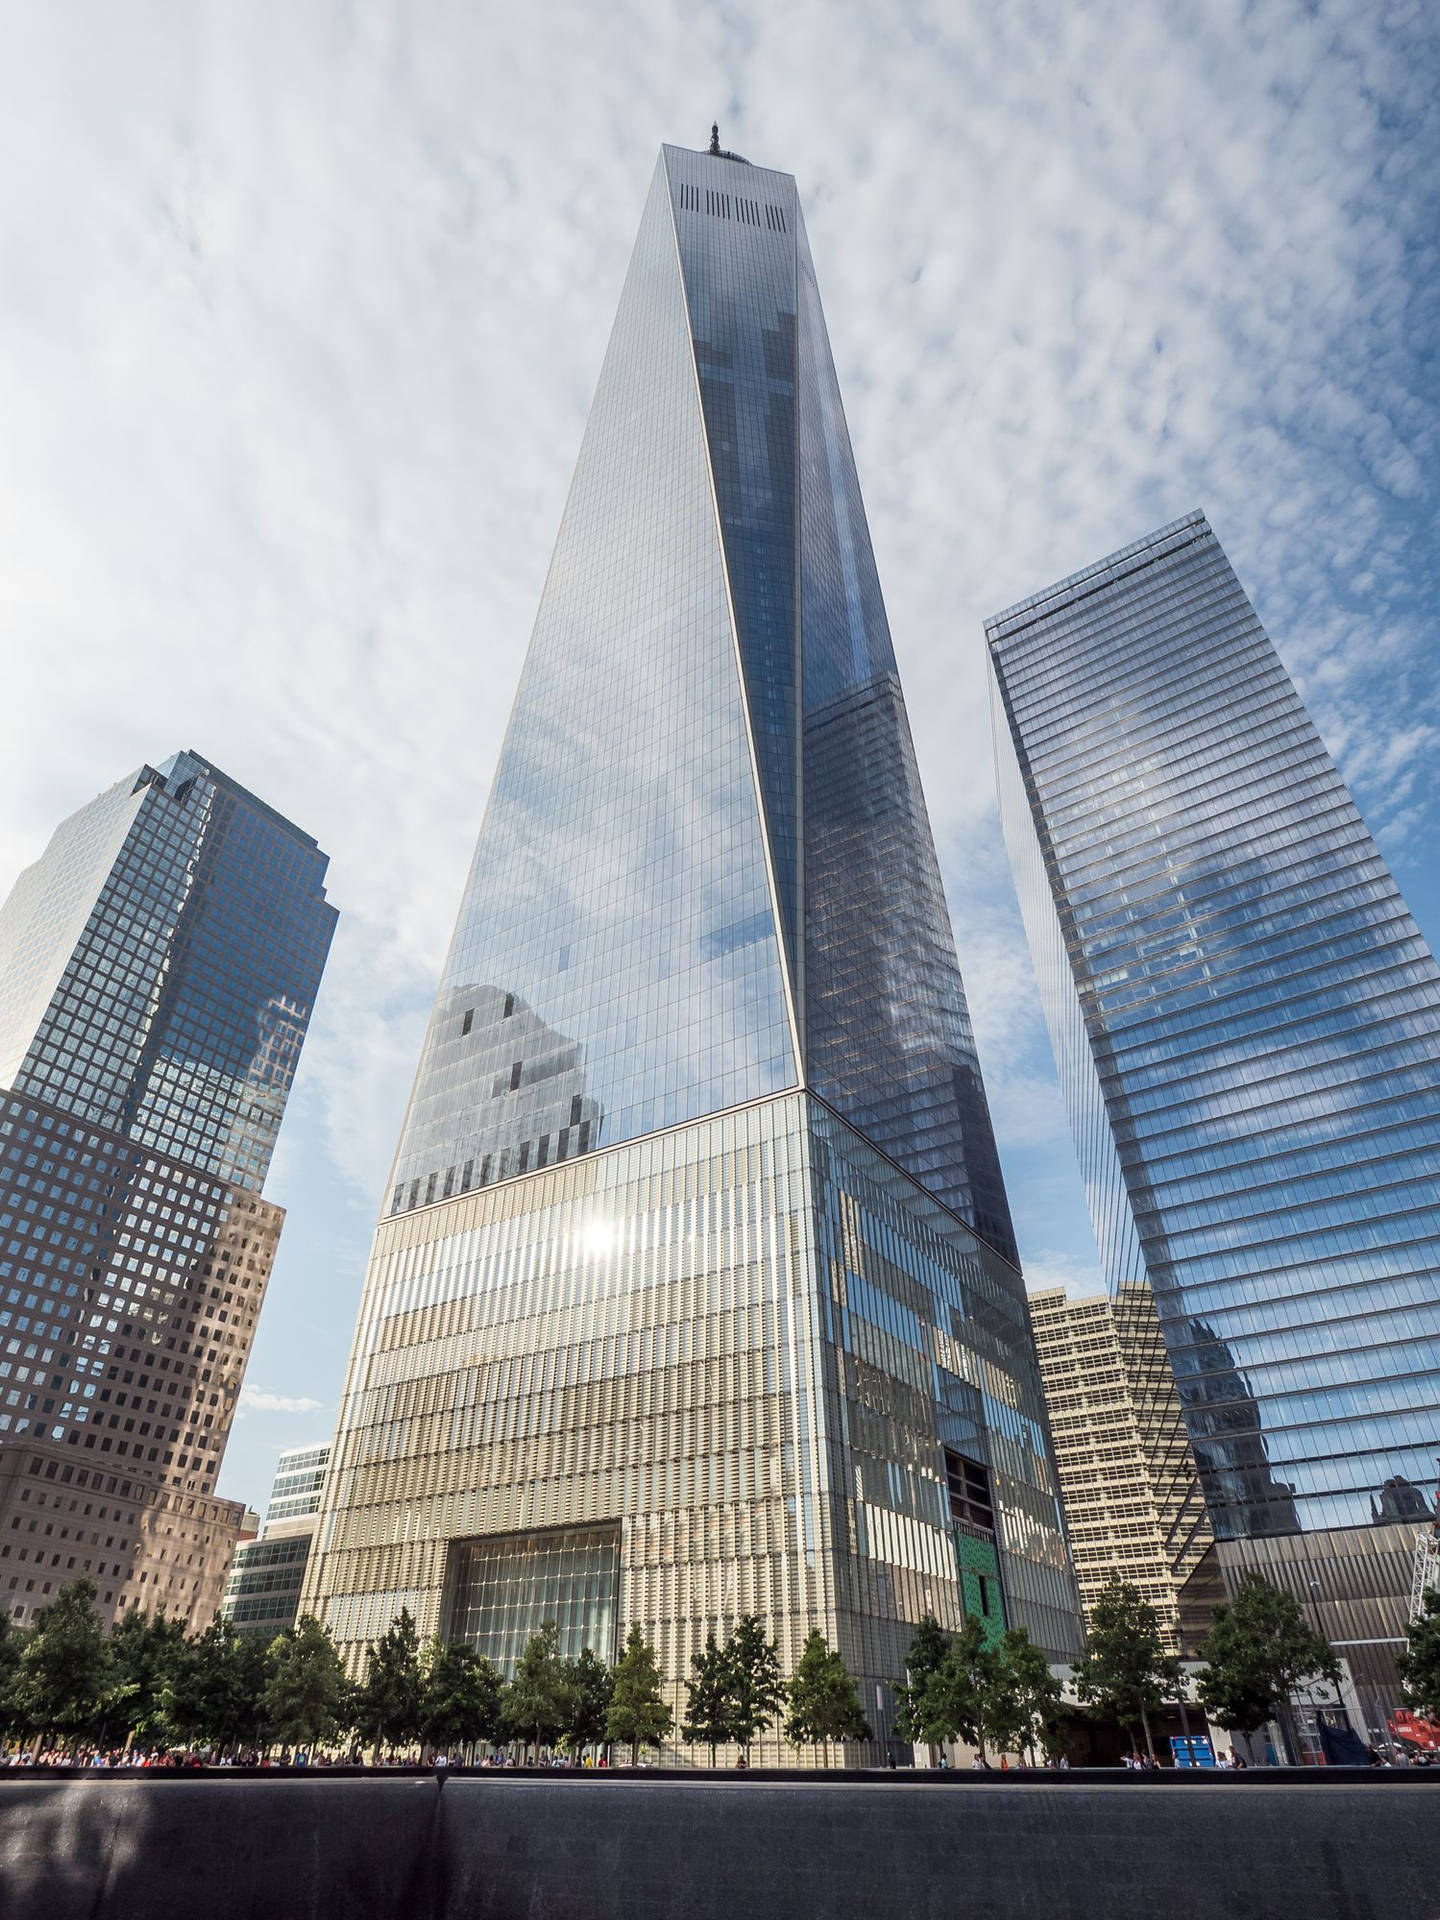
x: 706, y: 872
x: 159, y: 963
x: 158, y: 966
x: 1247, y: 1022
x: 696, y: 1230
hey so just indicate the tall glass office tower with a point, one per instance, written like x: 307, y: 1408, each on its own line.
x: 1247, y: 1025
x: 158, y: 966
x: 695, y: 1291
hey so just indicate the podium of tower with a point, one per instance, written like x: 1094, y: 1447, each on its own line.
x: 695, y: 1292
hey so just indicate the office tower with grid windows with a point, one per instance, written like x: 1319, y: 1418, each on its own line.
x: 695, y: 1290
x: 1132, y: 1497
x: 158, y: 966
x: 1246, y: 1020
x: 262, y: 1593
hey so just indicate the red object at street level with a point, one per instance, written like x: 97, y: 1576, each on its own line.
x: 1414, y: 1731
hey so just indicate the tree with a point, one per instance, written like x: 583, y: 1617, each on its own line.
x: 709, y: 1706
x: 460, y: 1696
x: 65, y: 1668
x: 824, y: 1704
x: 12, y: 1643
x: 306, y: 1693
x: 145, y: 1650
x: 1032, y: 1696
x: 757, y: 1689
x: 961, y: 1698
x: 589, y: 1685
x: 537, y: 1700
x: 1127, y: 1671
x: 387, y: 1706
x: 215, y: 1694
x: 1259, y: 1651
x: 638, y: 1713
x: 927, y: 1650
x: 1419, y: 1665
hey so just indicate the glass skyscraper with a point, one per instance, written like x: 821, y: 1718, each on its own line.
x: 158, y: 966
x: 262, y: 1592
x: 695, y: 1290
x: 1247, y: 1025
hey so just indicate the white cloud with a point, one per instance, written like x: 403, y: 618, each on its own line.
x: 257, y: 1400
x: 301, y: 313
x: 1052, y: 1267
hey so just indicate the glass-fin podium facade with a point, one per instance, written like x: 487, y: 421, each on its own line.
x: 695, y: 1259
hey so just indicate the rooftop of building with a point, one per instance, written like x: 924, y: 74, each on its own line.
x: 1099, y: 574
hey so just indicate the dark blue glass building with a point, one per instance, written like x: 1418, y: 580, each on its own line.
x: 696, y: 1251
x: 158, y: 968
x: 1247, y: 1024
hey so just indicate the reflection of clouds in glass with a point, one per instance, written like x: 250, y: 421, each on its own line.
x: 619, y: 889
x: 1262, y: 1016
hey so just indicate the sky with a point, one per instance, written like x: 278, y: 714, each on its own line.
x: 302, y: 305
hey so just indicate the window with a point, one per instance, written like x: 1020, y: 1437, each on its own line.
x: 968, y: 1485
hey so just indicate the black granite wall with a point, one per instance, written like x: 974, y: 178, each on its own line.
x: 519, y: 1848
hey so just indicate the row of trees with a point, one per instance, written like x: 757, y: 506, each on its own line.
x: 1258, y: 1654
x: 989, y: 1693
x: 149, y: 1684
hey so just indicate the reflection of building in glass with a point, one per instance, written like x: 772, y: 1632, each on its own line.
x: 262, y: 1594
x: 1247, y: 1025
x: 1133, y: 1505
x: 524, y: 1092
x: 1223, y: 1420
x: 746, y: 1274
x: 158, y: 965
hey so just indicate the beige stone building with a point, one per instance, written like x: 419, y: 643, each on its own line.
x: 1127, y: 1475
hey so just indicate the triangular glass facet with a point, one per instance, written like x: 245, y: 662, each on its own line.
x: 615, y: 968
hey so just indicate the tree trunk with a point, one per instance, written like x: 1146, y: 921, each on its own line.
x: 1145, y: 1723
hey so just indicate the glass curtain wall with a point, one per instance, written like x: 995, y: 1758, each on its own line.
x: 1255, y: 1097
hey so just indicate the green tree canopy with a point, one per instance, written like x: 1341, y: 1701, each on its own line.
x: 537, y: 1701
x: 757, y: 1688
x: 638, y: 1714
x: 65, y: 1666
x: 589, y: 1685
x: 1031, y: 1699
x: 214, y: 1696
x: 460, y: 1696
x: 307, y: 1697
x: 12, y: 1642
x: 824, y: 1703
x: 709, y: 1704
x: 927, y: 1650
x: 961, y: 1698
x: 1419, y: 1664
x: 387, y: 1705
x: 1127, y: 1671
x: 145, y: 1651
x: 1259, y: 1651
